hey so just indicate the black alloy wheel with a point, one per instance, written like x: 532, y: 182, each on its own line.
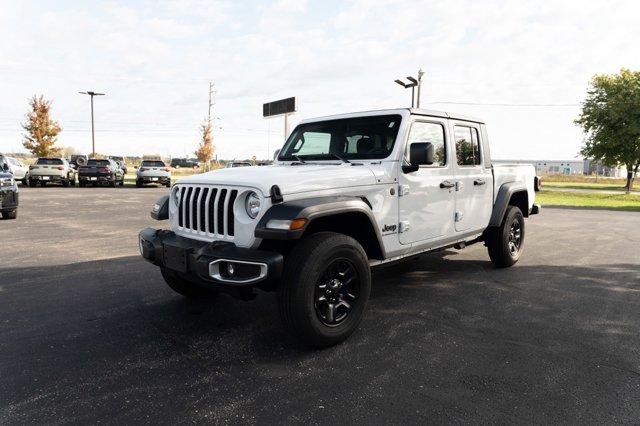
x: 336, y: 292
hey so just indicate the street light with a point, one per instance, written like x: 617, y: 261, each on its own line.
x: 413, y: 83
x: 93, y: 135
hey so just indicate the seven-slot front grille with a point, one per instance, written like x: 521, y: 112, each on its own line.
x: 206, y: 209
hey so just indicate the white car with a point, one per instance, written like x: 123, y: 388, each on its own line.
x: 51, y: 170
x: 347, y: 193
x: 153, y: 171
x: 17, y: 168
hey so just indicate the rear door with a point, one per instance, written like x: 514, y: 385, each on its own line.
x: 426, y: 197
x: 474, y: 181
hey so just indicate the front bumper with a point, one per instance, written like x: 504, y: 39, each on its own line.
x: 154, y: 179
x: 47, y: 178
x: 208, y: 263
x: 8, y: 199
x: 96, y: 178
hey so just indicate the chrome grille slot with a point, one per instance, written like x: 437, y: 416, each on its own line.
x: 206, y: 210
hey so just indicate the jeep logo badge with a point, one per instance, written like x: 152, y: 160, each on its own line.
x: 389, y: 228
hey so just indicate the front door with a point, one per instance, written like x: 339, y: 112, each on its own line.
x: 474, y: 181
x: 426, y: 196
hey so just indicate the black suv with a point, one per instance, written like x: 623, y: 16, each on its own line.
x: 192, y: 163
x: 99, y: 171
x: 8, y: 194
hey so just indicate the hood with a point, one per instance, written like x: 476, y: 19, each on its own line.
x: 5, y: 175
x: 290, y: 179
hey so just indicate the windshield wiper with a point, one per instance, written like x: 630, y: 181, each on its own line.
x: 344, y: 160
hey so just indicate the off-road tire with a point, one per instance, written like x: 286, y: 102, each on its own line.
x: 82, y: 184
x: 65, y: 183
x: 32, y: 183
x: 185, y: 287
x: 499, y: 240
x: 303, y: 274
x: 13, y: 214
x: 25, y: 180
x: 138, y: 183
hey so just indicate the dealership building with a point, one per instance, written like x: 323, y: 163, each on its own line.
x: 569, y: 167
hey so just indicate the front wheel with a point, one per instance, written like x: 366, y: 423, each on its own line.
x: 185, y: 287
x: 13, y: 214
x: 324, y: 289
x: 505, y: 243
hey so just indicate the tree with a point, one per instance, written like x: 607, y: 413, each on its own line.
x: 42, y: 131
x: 205, y: 148
x: 610, y: 119
x: 68, y: 151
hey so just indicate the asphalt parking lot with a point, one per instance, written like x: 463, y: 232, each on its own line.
x: 89, y: 331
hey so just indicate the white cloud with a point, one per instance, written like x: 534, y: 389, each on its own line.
x: 154, y: 60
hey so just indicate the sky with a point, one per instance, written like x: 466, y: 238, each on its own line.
x: 522, y: 66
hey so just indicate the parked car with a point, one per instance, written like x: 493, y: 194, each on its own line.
x: 101, y: 171
x: 17, y: 168
x: 177, y: 163
x: 77, y: 160
x: 8, y: 194
x: 51, y: 170
x: 348, y: 193
x: 231, y: 164
x: 120, y: 161
x: 153, y: 171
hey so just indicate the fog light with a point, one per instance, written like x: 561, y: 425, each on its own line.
x: 230, y: 269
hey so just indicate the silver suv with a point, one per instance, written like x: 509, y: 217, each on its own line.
x: 153, y: 171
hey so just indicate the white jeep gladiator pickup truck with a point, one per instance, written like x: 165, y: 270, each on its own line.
x: 346, y: 193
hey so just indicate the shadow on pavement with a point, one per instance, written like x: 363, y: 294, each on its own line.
x: 444, y: 339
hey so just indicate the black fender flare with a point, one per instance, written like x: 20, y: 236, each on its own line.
x: 505, y: 193
x: 311, y: 209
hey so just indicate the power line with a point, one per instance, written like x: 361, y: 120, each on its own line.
x: 502, y: 104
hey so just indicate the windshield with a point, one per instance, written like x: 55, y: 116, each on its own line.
x: 102, y: 163
x: 49, y: 161
x: 370, y: 137
x: 152, y: 164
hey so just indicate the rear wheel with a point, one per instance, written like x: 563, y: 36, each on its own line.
x: 168, y: 184
x: 32, y: 183
x: 506, y: 242
x: 185, y: 287
x: 12, y: 214
x: 65, y: 182
x: 43, y: 183
x: 82, y: 184
x: 138, y: 183
x: 324, y: 289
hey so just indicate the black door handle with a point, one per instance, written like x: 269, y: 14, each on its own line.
x: 479, y: 182
x: 447, y: 184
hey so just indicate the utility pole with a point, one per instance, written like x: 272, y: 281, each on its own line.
x: 413, y: 83
x: 211, y: 102
x: 93, y: 134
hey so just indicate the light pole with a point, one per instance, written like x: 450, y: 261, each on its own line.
x: 413, y: 83
x: 93, y: 135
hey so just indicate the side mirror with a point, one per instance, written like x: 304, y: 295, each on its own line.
x: 275, y: 154
x: 420, y: 153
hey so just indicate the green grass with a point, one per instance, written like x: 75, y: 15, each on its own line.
x: 628, y: 202
x: 584, y: 185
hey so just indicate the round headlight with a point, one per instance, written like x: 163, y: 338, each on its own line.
x: 252, y: 205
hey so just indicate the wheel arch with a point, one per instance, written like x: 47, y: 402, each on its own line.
x: 350, y: 216
x: 509, y: 194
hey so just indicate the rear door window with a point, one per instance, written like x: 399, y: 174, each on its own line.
x: 467, y: 145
